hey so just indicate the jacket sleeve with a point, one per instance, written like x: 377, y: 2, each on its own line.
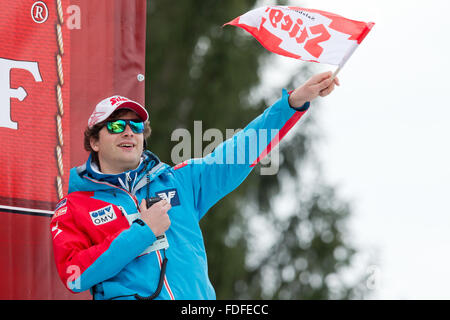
x: 224, y: 169
x: 82, y: 264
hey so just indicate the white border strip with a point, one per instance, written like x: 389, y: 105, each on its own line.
x: 27, y: 209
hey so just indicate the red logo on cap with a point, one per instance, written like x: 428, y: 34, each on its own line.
x: 117, y: 99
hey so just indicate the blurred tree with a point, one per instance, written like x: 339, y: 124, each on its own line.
x: 197, y: 70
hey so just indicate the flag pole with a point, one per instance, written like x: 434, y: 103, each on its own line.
x: 336, y: 73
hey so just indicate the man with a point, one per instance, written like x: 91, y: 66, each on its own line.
x: 107, y: 235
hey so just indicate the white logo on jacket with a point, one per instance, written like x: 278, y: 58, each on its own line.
x: 167, y: 196
x: 103, y: 215
x: 170, y: 195
x: 58, y: 230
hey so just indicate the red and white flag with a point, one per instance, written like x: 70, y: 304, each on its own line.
x: 306, y: 34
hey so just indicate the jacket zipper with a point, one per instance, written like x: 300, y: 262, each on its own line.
x: 136, y: 202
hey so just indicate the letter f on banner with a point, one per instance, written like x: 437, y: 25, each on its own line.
x: 6, y: 92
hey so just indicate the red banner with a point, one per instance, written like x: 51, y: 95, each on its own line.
x: 57, y: 60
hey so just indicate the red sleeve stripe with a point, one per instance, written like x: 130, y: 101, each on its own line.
x: 280, y: 135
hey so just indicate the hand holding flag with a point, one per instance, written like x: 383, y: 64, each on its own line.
x: 321, y: 84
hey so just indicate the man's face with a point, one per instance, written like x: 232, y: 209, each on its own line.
x: 119, y: 152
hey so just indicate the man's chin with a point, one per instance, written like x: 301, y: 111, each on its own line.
x: 129, y: 162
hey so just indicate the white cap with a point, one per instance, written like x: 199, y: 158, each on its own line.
x: 107, y: 106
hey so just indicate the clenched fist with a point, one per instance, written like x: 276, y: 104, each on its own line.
x: 318, y: 85
x: 156, y: 216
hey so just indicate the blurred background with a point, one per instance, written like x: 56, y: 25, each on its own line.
x: 358, y: 209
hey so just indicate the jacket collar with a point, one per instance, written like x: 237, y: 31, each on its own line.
x: 125, y: 180
x: 131, y: 180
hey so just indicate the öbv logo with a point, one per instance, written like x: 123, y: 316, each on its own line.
x: 103, y: 215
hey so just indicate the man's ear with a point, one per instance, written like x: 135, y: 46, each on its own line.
x: 94, y: 144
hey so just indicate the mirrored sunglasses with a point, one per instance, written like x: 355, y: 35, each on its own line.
x: 118, y: 126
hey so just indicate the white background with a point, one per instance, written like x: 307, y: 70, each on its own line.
x: 385, y: 145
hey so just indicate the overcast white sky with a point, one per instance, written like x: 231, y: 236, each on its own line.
x: 385, y: 146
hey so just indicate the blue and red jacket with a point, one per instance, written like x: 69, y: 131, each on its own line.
x: 98, y: 244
